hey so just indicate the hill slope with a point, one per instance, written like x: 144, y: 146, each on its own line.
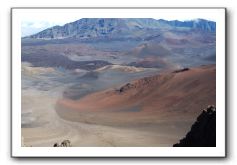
x: 177, y: 95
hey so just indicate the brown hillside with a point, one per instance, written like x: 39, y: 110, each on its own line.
x: 169, y: 96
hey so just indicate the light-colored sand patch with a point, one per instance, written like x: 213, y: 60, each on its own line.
x: 29, y: 70
x: 129, y: 69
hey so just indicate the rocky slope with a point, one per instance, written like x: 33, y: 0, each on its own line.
x: 203, y: 131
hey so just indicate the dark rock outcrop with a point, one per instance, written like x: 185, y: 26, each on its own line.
x: 125, y: 87
x: 203, y: 131
x: 181, y: 70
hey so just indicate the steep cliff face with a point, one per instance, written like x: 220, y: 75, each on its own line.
x: 203, y: 131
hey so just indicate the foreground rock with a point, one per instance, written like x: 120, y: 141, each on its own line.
x: 65, y: 143
x: 203, y: 131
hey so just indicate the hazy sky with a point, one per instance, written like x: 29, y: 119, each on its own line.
x: 33, y: 25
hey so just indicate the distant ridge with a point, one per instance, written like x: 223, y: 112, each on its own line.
x: 201, y: 24
x: 117, y: 27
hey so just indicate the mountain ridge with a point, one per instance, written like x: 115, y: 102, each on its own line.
x: 116, y: 27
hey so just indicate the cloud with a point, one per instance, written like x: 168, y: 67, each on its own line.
x: 40, y: 24
x: 32, y: 27
x: 32, y: 23
x: 29, y: 27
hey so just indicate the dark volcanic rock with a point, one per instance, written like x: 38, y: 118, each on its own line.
x: 125, y: 87
x: 181, y: 70
x: 52, y: 60
x: 203, y: 131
